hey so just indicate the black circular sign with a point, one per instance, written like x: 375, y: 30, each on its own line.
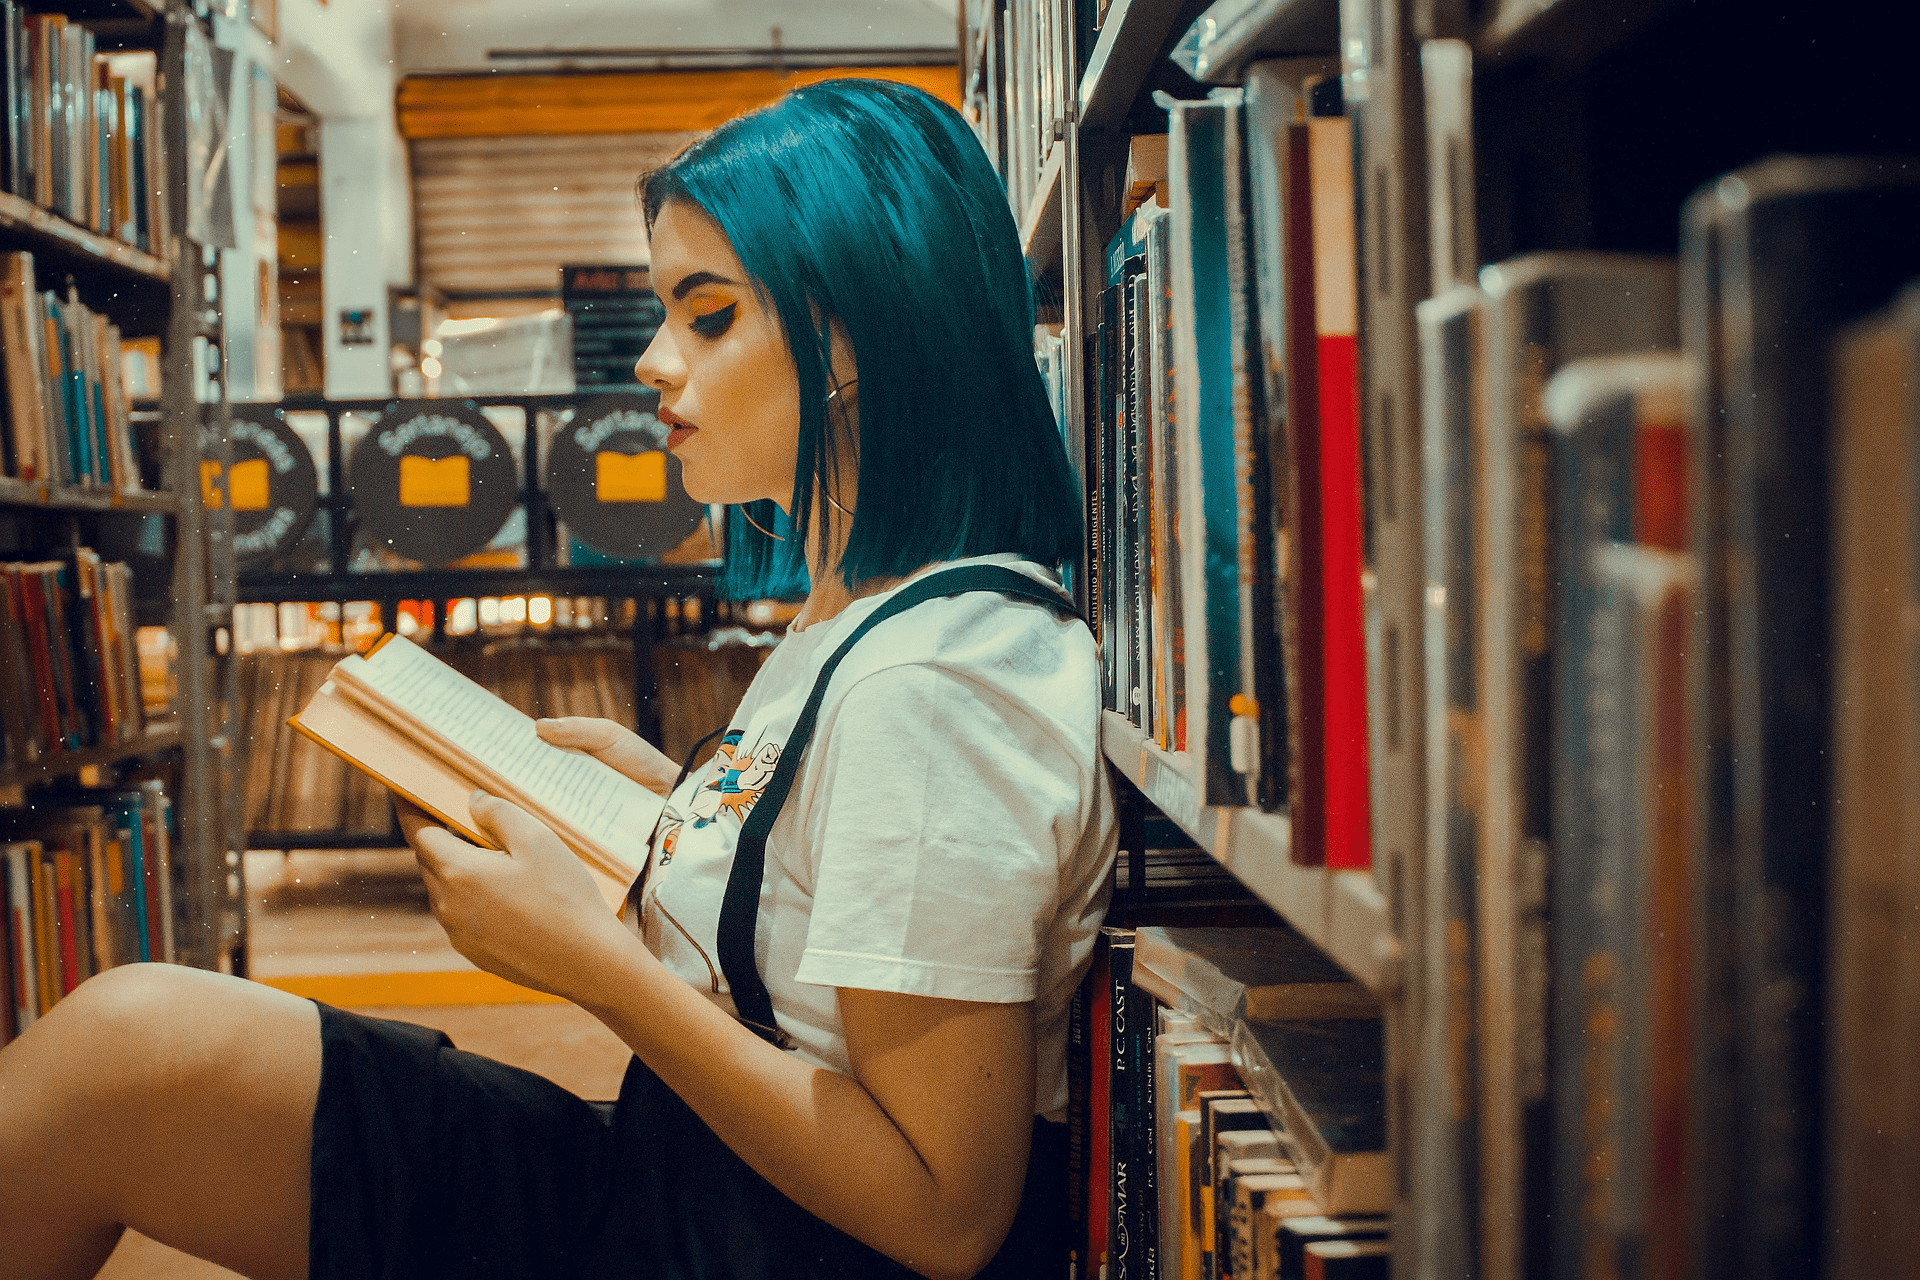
x: 270, y: 483
x: 610, y: 477
x: 433, y: 480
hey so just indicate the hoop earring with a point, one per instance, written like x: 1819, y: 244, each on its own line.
x: 748, y: 516
x: 831, y: 397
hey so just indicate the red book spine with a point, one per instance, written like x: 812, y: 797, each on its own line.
x: 1306, y: 766
x: 33, y: 612
x: 1348, y: 842
x: 1100, y: 1103
x: 68, y: 920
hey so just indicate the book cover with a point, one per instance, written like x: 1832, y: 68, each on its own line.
x: 1778, y: 257
x: 1223, y: 975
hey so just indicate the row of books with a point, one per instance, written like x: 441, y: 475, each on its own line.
x: 65, y: 417
x: 85, y: 884
x: 1019, y: 91
x: 1223, y: 459
x: 1236, y: 1126
x: 82, y: 127
x: 1672, y: 540
x: 69, y: 665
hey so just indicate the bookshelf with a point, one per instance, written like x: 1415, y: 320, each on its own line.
x: 1494, y: 143
x: 183, y: 580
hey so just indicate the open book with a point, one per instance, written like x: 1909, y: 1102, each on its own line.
x: 432, y: 736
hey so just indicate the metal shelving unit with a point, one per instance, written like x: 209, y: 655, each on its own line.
x: 175, y: 297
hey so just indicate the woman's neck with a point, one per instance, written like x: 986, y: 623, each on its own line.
x: 826, y: 545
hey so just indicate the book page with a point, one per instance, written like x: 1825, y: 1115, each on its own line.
x: 607, y: 807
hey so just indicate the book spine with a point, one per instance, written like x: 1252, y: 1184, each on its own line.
x: 1100, y: 1117
x: 68, y: 918
x: 1125, y: 1257
x: 1874, y: 1152
x: 1079, y: 1123
x: 1446, y: 1156
x: 1769, y: 558
x: 1336, y: 325
x: 19, y: 908
x: 1198, y: 152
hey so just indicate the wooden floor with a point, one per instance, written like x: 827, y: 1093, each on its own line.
x: 343, y: 915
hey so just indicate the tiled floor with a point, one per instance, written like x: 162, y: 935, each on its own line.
x: 366, y: 912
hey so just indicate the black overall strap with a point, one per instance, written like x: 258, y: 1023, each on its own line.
x: 740, y: 908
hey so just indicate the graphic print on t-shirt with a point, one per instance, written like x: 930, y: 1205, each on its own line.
x: 735, y: 779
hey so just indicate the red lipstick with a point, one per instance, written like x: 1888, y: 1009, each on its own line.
x: 681, y: 427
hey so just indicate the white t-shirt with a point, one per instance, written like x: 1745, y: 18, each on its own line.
x: 950, y: 833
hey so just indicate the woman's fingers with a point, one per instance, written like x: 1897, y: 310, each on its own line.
x: 612, y: 744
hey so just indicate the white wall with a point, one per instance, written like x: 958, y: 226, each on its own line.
x: 337, y: 57
x: 456, y: 34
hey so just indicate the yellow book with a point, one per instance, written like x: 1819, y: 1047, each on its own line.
x: 432, y: 736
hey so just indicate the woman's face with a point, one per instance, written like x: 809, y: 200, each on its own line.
x: 721, y: 365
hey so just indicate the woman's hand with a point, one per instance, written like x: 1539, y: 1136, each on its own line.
x: 613, y: 744
x: 532, y: 915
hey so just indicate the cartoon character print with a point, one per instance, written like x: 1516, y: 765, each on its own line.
x: 735, y: 779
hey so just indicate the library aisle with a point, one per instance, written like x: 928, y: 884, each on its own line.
x: 352, y: 927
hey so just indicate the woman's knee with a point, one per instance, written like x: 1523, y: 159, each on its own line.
x: 139, y: 1027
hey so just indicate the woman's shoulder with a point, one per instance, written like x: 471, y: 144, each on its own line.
x: 1040, y: 659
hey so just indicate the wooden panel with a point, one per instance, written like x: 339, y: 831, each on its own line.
x: 618, y: 102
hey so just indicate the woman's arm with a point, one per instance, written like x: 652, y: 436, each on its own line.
x: 921, y: 1153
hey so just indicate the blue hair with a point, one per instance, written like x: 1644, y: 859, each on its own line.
x: 872, y: 203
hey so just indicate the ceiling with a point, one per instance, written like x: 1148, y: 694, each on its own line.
x: 461, y: 35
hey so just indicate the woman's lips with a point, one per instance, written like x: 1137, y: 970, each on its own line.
x: 681, y: 428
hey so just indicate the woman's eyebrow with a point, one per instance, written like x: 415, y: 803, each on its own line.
x: 693, y: 281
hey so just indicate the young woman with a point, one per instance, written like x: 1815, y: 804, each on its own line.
x: 845, y: 973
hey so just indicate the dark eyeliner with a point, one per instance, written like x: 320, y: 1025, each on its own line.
x: 715, y: 323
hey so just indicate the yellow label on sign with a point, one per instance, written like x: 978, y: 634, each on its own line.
x: 247, y: 485
x: 210, y: 485
x: 435, y: 482
x: 630, y: 477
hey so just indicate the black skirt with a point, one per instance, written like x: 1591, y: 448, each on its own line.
x: 432, y: 1162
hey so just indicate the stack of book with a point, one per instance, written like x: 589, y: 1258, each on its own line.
x: 1224, y: 459
x: 67, y: 419
x: 82, y: 128
x: 69, y: 673
x: 85, y: 884
x: 1227, y: 1094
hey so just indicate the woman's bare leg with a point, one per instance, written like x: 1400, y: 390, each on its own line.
x: 176, y: 1102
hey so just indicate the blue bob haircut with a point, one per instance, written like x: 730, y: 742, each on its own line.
x: 872, y: 203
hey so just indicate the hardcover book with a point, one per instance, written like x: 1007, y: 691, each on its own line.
x: 1221, y: 976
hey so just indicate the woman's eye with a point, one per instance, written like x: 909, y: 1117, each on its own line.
x: 712, y: 324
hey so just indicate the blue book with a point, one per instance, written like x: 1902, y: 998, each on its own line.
x: 1204, y: 165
